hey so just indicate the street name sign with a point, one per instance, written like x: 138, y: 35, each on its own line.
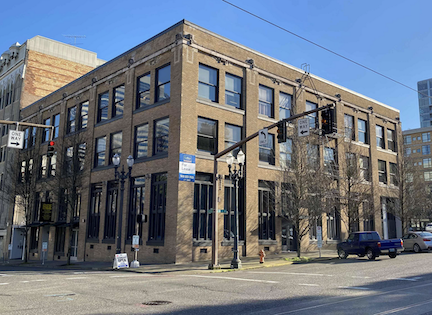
x: 303, y: 127
x: 263, y: 137
x: 16, y: 139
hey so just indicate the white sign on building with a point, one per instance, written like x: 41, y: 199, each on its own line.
x: 303, y: 127
x: 263, y: 137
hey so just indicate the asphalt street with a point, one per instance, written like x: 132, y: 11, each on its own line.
x: 353, y: 286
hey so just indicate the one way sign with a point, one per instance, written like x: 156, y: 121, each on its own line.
x: 303, y: 127
x: 16, y: 139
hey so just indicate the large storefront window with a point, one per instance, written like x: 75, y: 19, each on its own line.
x: 229, y: 207
x: 203, y: 202
x: 158, y: 207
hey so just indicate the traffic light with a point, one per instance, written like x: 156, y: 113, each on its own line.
x: 282, y: 132
x: 328, y: 123
x: 51, y: 149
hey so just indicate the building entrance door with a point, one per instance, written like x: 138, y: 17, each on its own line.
x: 289, y: 238
x: 74, y: 245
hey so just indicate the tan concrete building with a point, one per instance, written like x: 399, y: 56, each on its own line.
x: 190, y: 91
x: 28, y: 72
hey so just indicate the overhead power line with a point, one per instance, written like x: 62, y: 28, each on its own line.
x: 322, y: 47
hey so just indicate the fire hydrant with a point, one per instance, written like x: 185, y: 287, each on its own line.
x: 262, y: 255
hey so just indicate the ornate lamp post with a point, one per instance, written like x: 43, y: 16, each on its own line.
x: 235, y: 174
x: 121, y: 176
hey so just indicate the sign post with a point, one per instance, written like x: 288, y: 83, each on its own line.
x: 135, y: 245
x: 44, y: 249
x: 319, y: 239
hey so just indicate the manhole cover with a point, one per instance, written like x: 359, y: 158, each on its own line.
x: 157, y: 303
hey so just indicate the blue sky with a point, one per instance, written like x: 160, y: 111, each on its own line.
x: 391, y: 37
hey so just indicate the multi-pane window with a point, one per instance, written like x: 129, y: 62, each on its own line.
x: 32, y: 141
x: 56, y: 124
x: 103, y: 104
x: 427, y: 176
x: 163, y: 79
x: 207, y: 83
x: 100, y: 151
x: 312, y: 154
x: 426, y: 137
x: 407, y: 151
x: 46, y: 132
x: 207, y: 135
x: 203, y: 202
x: 362, y: 131
x: 71, y: 121
x: 118, y: 100
x: 265, y: 101
x: 266, y: 211
x: 137, y: 200
x: 111, y: 211
x: 158, y: 207
x: 364, y: 167
x: 315, y: 222
x: 266, y: 152
x: 407, y: 140
x: 34, y: 238
x: 393, y: 174
x: 115, y: 145
x: 368, y: 217
x: 48, y: 166
x: 382, y: 172
x: 60, y: 238
x: 285, y: 153
x: 380, y: 136
x: 26, y: 139
x: 141, y: 141
x: 68, y: 160
x: 284, y: 105
x: 143, y: 91
x: 330, y: 159
x: 82, y: 123
x: 391, y: 143
x: 82, y: 147
x: 233, y: 135
x: 426, y: 149
x: 349, y: 127
x: 333, y: 224
x: 313, y: 116
x: 161, y: 136
x: 229, y: 206
x: 233, y: 89
x: 94, y: 212
x: 427, y: 163
x: 53, y: 165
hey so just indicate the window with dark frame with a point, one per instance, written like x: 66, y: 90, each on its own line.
x: 103, y: 105
x: 94, y: 211
x: 56, y: 124
x: 82, y: 123
x: 393, y: 174
x: 82, y: 148
x: 285, y: 153
x: 426, y: 137
x: 161, y: 136
x: 364, y: 168
x: 68, y: 160
x: 208, y: 83
x: 233, y: 134
x: 267, y: 152
x: 163, y: 79
x: 137, y: 202
x: 207, y: 135
x: 391, y: 143
x: 407, y: 140
x: 143, y: 91
x: 71, y: 121
x: 60, y: 239
x: 426, y: 149
x: 158, y: 207
x: 111, y: 211
x: 118, y: 101
x: 115, y: 145
x: 266, y: 211
x: 100, y: 151
x: 312, y: 156
x: 229, y: 206
x: 330, y: 163
x: 203, y: 202
x: 312, y: 117
x: 315, y: 222
x: 266, y: 101
x: 233, y: 91
x: 349, y: 127
x: 46, y: 132
x: 380, y: 136
x: 141, y: 141
x: 362, y: 131
x: 284, y: 105
x: 333, y: 224
x: 382, y: 172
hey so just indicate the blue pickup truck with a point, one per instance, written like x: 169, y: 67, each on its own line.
x: 369, y: 244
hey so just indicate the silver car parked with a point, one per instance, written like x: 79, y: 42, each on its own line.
x: 417, y: 241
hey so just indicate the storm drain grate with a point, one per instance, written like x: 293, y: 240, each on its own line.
x: 157, y: 303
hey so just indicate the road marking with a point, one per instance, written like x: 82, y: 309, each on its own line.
x: 351, y: 299
x: 24, y: 281
x: 230, y: 278
x: 39, y: 280
x: 5, y: 275
x: 3, y: 283
x: 76, y: 278
x: 360, y: 277
x: 309, y: 284
x: 293, y: 273
x: 405, y: 279
x: 395, y: 310
x: 354, y: 288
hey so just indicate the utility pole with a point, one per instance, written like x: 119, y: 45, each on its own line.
x: 215, y: 244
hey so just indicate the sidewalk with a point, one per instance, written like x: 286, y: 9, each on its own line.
x: 193, y: 267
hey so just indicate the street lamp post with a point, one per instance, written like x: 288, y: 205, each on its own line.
x: 235, y: 175
x: 121, y: 176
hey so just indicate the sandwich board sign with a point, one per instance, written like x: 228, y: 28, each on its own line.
x: 121, y: 261
x: 16, y: 139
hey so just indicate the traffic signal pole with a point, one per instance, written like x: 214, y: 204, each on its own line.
x: 215, y: 246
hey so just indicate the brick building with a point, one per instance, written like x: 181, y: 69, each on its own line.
x: 28, y: 72
x: 190, y: 91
